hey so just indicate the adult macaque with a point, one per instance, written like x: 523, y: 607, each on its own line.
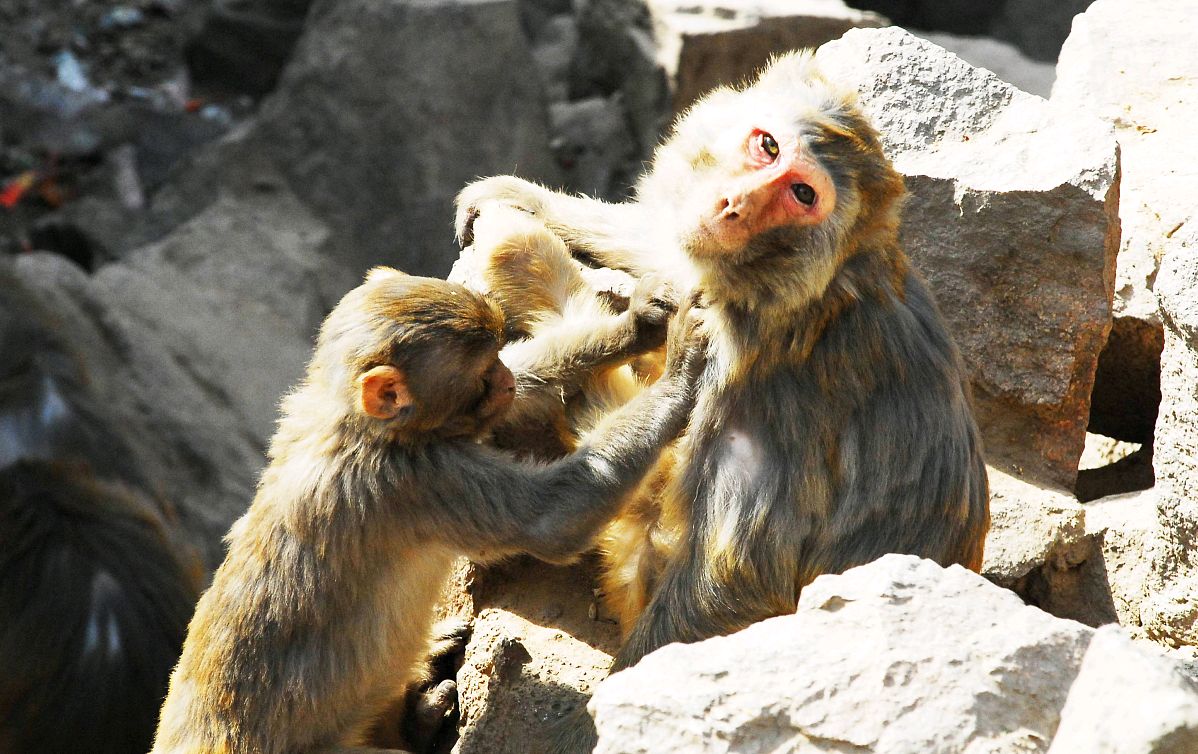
x: 833, y: 422
x: 95, y: 600
x: 320, y: 614
x: 96, y: 586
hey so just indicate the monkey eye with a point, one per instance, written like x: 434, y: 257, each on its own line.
x: 804, y: 193
x: 769, y: 145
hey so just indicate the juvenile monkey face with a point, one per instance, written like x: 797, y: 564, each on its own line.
x: 461, y: 391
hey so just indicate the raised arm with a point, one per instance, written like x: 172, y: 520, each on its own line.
x: 620, y: 236
x: 572, y: 332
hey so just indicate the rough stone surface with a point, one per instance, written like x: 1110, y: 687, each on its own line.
x: 899, y: 655
x: 192, y: 340
x: 1013, y: 221
x: 534, y: 655
x: 1128, y: 533
x: 1106, y: 576
x: 1139, y: 72
x: 706, y: 44
x: 1002, y: 58
x: 1029, y: 526
x: 1127, y: 698
x: 385, y: 111
x: 593, y: 146
x: 617, y: 56
x: 1175, y: 452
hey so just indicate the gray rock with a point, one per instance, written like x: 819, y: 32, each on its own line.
x: 534, y: 655
x: 1013, y: 221
x: 554, y: 50
x: 191, y: 341
x: 1127, y: 699
x: 899, y: 655
x: 707, y: 44
x: 385, y: 111
x: 593, y: 146
x: 1036, y: 27
x: 617, y: 54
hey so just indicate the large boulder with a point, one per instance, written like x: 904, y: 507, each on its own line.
x: 902, y: 656
x: 1013, y: 219
x: 706, y: 44
x: 1175, y: 610
x: 190, y: 342
x: 898, y: 656
x: 1139, y: 72
x: 1127, y: 698
x: 384, y: 112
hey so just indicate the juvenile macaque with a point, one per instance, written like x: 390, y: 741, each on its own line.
x: 570, y: 348
x: 833, y: 422
x: 320, y: 614
x: 575, y: 359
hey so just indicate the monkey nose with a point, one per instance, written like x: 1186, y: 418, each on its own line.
x: 730, y: 208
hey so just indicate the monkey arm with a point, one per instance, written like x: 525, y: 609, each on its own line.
x: 497, y: 507
x: 613, y: 235
x: 555, y: 363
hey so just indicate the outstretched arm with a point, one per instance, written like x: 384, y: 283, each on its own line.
x: 620, y: 236
x: 494, y: 506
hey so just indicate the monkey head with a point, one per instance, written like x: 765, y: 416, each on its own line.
x: 784, y: 175
x: 417, y: 358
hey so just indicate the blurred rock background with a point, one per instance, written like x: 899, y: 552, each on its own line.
x: 187, y: 187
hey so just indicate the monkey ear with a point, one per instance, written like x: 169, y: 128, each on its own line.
x: 378, y: 273
x: 383, y: 392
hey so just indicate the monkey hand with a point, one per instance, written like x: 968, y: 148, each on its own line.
x: 650, y: 308
x: 686, y: 347
x: 497, y: 224
x: 501, y: 189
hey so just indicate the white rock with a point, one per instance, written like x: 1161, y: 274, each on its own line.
x: 899, y: 655
x: 1130, y: 534
x: 1012, y: 220
x: 1029, y: 526
x: 1175, y: 449
x: 1137, y: 68
x: 1002, y: 58
x: 1127, y: 699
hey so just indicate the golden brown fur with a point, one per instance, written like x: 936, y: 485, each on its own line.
x: 833, y: 423
x: 320, y: 615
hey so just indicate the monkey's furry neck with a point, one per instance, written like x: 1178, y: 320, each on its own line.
x: 788, y: 293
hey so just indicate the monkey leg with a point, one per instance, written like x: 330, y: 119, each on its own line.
x: 635, y: 548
